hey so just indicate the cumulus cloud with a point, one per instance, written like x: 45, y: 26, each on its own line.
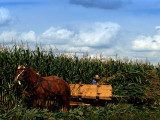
x: 147, y: 43
x: 57, y: 35
x: 103, y: 4
x: 8, y: 36
x: 87, y: 38
x: 157, y: 27
x: 5, y: 17
x: 93, y: 35
x: 97, y: 35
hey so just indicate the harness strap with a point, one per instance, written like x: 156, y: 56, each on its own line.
x: 38, y: 82
x: 49, y: 87
x: 20, y: 74
x: 34, y: 88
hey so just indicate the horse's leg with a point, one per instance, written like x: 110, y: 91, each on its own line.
x: 65, y: 103
x: 42, y: 102
x: 59, y: 101
x: 34, y: 102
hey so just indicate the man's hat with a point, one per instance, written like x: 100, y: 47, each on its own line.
x: 96, y: 77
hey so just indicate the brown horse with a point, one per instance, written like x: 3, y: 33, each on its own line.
x: 43, y: 87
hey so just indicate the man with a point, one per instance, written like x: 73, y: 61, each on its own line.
x: 96, y: 79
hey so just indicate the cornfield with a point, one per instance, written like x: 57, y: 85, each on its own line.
x: 137, y: 80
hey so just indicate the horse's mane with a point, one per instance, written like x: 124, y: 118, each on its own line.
x: 33, y: 71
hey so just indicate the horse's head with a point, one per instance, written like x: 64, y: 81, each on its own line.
x: 20, y: 74
x: 25, y: 75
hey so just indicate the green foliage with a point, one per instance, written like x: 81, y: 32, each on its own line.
x: 108, y: 112
x: 128, y: 79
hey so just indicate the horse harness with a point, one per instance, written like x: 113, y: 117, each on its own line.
x: 37, y: 83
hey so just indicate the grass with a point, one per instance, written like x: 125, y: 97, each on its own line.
x: 108, y: 112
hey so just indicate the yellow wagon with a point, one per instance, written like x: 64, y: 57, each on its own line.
x: 86, y: 93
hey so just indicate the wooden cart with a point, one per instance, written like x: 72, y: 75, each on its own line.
x: 88, y: 94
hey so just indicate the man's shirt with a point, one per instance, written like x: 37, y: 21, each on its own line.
x: 94, y: 82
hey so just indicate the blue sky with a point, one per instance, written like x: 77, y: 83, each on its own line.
x: 128, y: 28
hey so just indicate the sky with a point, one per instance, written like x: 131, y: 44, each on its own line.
x: 123, y: 28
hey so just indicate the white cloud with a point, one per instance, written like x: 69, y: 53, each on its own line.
x: 93, y: 35
x: 8, y: 36
x: 93, y: 38
x: 28, y: 36
x: 97, y: 35
x: 5, y: 17
x: 97, y: 38
x: 157, y: 27
x: 56, y: 36
x: 145, y: 43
